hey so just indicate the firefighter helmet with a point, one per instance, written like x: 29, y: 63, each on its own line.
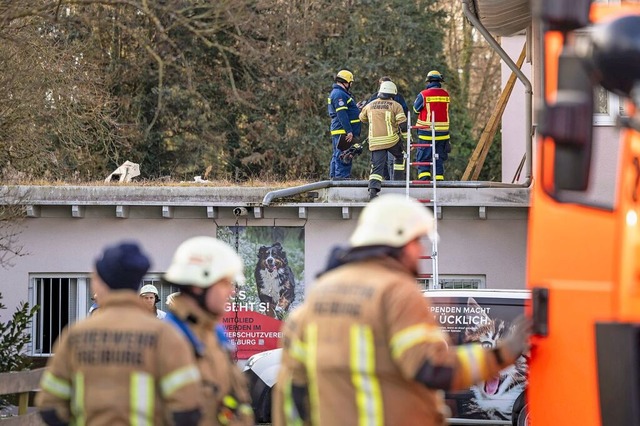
x: 434, y: 75
x: 149, y: 288
x: 392, y: 220
x: 202, y: 262
x: 388, y: 88
x: 345, y: 76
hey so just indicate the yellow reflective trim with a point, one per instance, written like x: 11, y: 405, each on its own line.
x: 341, y: 108
x: 55, y: 385
x: 329, y: 100
x: 141, y: 399
x: 436, y: 99
x: 338, y: 132
x: 398, y: 167
x: 291, y: 414
x: 472, y: 361
x: 349, y: 100
x: 77, y: 404
x: 363, y: 377
x: 416, y: 334
x: 424, y: 175
x: 297, y: 350
x: 388, y: 123
x: 355, y: 121
x: 376, y: 177
x: 441, y: 138
x: 379, y: 140
x: 179, y: 378
x: 311, y: 333
x: 439, y: 177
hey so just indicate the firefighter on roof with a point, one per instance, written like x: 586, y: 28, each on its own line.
x: 386, y: 120
x: 434, y: 100
x: 364, y: 349
x: 345, y: 122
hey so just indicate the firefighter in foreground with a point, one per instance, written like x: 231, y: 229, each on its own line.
x: 205, y: 269
x: 386, y: 120
x: 366, y: 350
x: 122, y: 366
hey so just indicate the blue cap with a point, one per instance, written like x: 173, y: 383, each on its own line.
x: 122, y: 266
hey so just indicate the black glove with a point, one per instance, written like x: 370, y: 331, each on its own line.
x: 516, y: 343
x: 347, y: 156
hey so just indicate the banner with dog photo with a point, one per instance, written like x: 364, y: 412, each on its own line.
x: 274, y: 271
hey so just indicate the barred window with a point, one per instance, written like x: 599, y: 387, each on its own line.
x: 65, y: 299
x: 448, y: 282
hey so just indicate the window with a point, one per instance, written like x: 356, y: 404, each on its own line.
x: 449, y: 282
x: 65, y: 299
x: 62, y: 300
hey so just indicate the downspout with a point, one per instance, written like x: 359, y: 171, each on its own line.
x: 523, y: 78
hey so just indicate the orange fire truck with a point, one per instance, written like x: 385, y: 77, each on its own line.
x: 584, y: 257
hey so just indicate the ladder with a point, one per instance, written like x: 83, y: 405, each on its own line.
x: 433, y: 201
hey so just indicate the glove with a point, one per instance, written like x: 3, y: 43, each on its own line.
x: 361, y: 104
x: 516, y: 343
x: 347, y: 156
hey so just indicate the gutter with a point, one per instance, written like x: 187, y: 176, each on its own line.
x: 467, y: 9
x: 296, y: 190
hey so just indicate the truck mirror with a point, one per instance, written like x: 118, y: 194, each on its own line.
x: 563, y: 15
x: 569, y: 122
x: 615, y: 52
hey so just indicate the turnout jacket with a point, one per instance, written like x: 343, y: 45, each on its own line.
x: 120, y: 366
x: 436, y: 100
x: 384, y: 116
x: 343, y: 111
x: 366, y: 350
x: 223, y: 382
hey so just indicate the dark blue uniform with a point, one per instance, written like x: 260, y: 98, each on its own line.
x: 344, y: 114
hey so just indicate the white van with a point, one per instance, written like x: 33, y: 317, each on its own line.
x: 482, y: 316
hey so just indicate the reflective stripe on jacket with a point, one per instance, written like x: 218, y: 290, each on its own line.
x: 383, y: 116
x: 432, y: 100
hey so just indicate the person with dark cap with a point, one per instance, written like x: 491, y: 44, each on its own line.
x: 205, y: 269
x: 123, y: 366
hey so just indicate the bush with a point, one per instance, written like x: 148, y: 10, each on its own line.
x: 14, y: 339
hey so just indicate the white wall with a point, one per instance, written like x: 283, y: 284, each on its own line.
x: 58, y: 243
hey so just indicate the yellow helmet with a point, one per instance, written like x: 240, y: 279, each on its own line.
x: 345, y: 75
x: 434, y: 75
x: 392, y: 220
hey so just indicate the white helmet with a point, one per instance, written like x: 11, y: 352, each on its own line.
x: 149, y: 288
x: 202, y: 262
x: 392, y: 220
x: 388, y: 88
